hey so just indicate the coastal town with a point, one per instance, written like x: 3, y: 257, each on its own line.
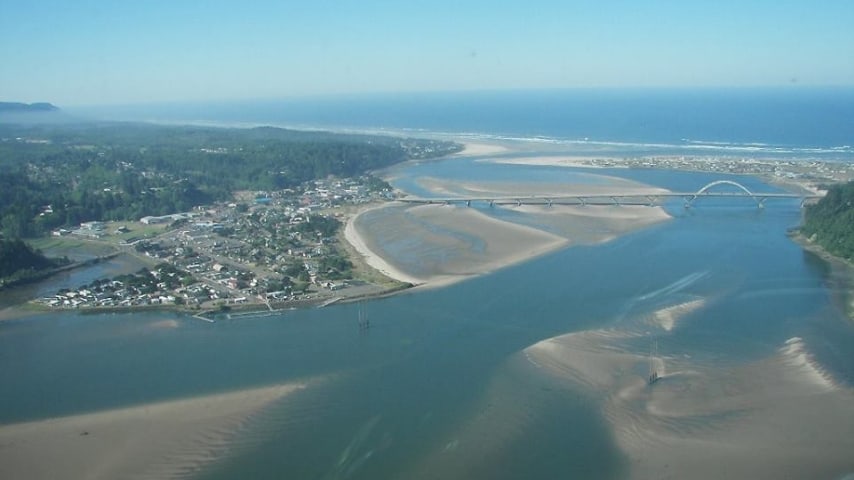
x: 268, y: 250
x: 808, y: 174
x: 264, y: 250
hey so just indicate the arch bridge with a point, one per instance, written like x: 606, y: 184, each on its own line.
x: 651, y: 198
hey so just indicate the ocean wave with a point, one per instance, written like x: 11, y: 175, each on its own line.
x: 687, y: 144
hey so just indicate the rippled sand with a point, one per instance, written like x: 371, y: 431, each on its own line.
x: 169, y: 439
x: 779, y: 417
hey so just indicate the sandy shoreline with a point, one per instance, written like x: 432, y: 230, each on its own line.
x: 352, y: 235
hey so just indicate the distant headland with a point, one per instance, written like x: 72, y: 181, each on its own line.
x: 18, y: 107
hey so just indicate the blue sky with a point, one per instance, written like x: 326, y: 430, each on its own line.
x: 116, y: 52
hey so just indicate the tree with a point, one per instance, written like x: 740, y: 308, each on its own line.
x: 830, y: 222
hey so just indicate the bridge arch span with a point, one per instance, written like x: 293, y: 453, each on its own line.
x: 759, y: 199
x: 724, y: 182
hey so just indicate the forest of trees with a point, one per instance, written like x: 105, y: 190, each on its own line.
x: 830, y: 222
x: 19, y: 262
x: 61, y: 175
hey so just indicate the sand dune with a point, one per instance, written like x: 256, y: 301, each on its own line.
x: 171, y: 439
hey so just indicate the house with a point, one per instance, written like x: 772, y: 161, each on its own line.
x: 92, y: 226
x: 151, y: 220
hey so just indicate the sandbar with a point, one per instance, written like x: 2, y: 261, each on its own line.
x: 557, y: 161
x: 778, y: 417
x: 159, y: 440
x: 481, y: 149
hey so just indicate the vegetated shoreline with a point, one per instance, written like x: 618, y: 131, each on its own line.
x: 47, y: 273
x: 842, y: 270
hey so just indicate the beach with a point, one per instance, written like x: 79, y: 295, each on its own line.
x: 357, y: 240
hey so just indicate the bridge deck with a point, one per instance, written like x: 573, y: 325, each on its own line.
x: 617, y: 198
x: 641, y: 198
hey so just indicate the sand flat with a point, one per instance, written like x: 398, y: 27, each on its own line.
x: 373, y: 259
x: 779, y: 417
x: 432, y: 245
x: 445, y: 244
x: 160, y: 440
x: 506, y: 243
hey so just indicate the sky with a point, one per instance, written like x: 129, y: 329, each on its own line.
x: 106, y: 52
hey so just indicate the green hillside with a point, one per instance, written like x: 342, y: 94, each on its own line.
x: 830, y: 222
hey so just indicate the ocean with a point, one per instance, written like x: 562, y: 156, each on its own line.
x: 538, y: 370
x: 792, y: 121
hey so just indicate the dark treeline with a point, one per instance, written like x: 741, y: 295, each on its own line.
x: 18, y: 261
x: 830, y: 222
x: 61, y: 175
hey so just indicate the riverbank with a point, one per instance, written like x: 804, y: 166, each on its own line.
x: 228, y: 312
x: 841, y: 270
x: 44, y: 274
x: 363, y: 252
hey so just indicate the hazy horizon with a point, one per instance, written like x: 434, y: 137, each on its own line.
x: 107, y: 53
